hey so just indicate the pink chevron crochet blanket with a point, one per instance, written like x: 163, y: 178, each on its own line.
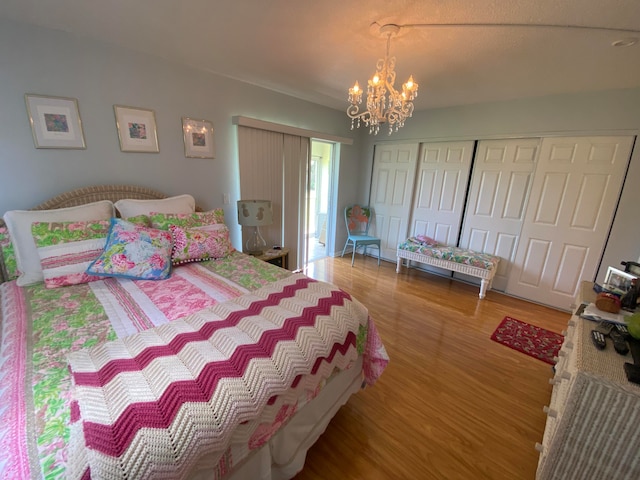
x: 168, y: 401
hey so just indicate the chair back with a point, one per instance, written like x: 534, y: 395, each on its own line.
x: 357, y: 218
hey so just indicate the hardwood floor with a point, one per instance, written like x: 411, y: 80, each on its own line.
x: 452, y: 404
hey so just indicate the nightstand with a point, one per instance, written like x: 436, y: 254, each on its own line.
x: 276, y: 257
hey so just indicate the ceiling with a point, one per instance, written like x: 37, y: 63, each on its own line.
x: 315, y: 50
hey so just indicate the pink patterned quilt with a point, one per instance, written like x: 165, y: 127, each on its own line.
x: 40, y: 328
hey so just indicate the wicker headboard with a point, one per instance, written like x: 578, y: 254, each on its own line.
x: 96, y: 193
x: 91, y: 194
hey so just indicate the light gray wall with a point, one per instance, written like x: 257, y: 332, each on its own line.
x: 47, y: 62
x: 40, y: 61
x: 604, y: 113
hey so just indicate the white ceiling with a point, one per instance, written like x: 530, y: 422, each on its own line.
x: 316, y: 49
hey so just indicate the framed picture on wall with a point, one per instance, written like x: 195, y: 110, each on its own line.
x: 198, y: 138
x: 55, y: 122
x: 136, y: 129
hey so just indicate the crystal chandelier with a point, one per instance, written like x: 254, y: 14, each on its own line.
x: 384, y: 102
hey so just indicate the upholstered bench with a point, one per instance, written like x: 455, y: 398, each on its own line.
x: 480, y: 265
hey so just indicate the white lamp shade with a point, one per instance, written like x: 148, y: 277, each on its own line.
x: 255, y: 213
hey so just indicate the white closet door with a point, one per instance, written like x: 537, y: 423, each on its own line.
x: 572, y: 204
x: 500, y: 185
x: 443, y: 173
x: 394, y: 169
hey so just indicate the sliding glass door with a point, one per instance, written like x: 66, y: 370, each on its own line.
x: 295, y: 174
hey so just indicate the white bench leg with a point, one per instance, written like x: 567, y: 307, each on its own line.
x: 483, y: 287
x: 399, y: 265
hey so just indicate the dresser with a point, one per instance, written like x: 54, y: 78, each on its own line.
x: 593, y: 417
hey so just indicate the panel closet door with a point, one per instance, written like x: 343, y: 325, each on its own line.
x: 394, y: 170
x: 441, y: 185
x: 500, y: 184
x: 573, y: 200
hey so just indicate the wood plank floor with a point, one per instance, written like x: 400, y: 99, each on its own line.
x: 452, y: 404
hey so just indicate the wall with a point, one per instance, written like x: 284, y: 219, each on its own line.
x: 41, y: 61
x: 47, y: 62
x: 603, y: 113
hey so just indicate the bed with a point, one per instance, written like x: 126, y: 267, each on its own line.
x: 147, y: 347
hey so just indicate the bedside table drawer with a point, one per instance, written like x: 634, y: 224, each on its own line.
x: 279, y: 261
x: 279, y: 258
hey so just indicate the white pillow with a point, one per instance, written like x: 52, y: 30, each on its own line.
x: 19, y: 225
x: 129, y: 207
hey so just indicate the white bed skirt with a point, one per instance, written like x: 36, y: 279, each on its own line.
x: 283, y: 456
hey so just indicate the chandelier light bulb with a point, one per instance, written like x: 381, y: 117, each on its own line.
x: 355, y: 94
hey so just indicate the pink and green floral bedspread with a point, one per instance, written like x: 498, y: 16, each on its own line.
x: 39, y: 327
x: 453, y: 254
x: 8, y: 254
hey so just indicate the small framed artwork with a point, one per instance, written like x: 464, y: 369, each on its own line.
x: 198, y: 138
x: 55, y: 122
x: 136, y: 129
x: 618, y: 281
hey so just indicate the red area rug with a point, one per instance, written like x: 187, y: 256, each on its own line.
x: 534, y: 341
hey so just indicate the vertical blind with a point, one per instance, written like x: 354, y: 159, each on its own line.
x: 273, y: 166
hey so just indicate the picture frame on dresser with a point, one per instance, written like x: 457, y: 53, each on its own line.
x: 55, y: 122
x: 198, y: 138
x: 618, y: 281
x: 137, y: 129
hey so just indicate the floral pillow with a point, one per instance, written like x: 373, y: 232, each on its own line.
x: 428, y: 241
x: 200, y: 243
x: 8, y: 254
x: 67, y: 248
x: 187, y: 220
x: 143, y: 220
x: 19, y: 224
x: 134, y: 251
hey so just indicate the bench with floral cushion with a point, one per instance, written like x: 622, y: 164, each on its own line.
x: 425, y: 250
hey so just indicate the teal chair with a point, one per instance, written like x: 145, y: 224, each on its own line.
x: 357, y: 219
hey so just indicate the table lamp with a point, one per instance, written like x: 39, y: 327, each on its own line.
x: 255, y: 213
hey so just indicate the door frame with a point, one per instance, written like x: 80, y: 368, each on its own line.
x: 331, y: 191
